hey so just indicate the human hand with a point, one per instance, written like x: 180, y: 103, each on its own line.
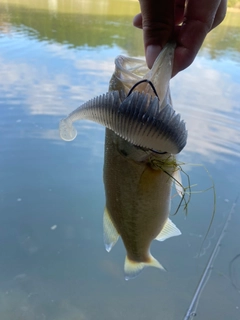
x: 187, y: 22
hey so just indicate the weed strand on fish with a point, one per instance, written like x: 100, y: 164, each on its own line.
x: 187, y: 191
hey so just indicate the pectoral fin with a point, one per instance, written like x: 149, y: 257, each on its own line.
x: 169, y: 230
x: 110, y: 233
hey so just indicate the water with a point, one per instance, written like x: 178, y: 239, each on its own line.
x: 54, y: 56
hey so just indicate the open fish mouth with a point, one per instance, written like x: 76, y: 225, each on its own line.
x: 136, y: 118
x: 141, y: 113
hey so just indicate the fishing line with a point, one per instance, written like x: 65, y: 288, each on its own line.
x: 231, y: 272
x: 155, y: 92
x: 141, y: 81
x: 192, y: 310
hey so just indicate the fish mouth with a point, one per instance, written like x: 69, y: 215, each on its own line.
x: 138, y: 118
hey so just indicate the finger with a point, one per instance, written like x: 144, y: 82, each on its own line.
x: 199, y: 19
x: 178, y: 14
x: 137, y: 21
x: 157, y: 25
x: 179, y: 11
x: 220, y: 14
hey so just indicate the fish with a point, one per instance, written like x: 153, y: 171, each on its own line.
x: 142, y: 138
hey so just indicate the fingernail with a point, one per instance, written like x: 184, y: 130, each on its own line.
x: 152, y: 52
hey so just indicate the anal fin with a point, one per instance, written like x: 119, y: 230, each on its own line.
x: 169, y: 230
x: 110, y: 233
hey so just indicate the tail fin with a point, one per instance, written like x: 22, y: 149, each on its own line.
x: 133, y: 268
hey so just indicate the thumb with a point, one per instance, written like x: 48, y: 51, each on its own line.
x: 157, y: 22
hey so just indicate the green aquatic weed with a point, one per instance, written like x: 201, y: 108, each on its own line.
x: 186, y: 192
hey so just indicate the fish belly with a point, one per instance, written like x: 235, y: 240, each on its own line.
x: 137, y: 196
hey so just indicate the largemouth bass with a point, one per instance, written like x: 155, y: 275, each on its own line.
x: 143, y: 135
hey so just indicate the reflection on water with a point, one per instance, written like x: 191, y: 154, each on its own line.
x: 214, y: 120
x: 54, y: 56
x: 70, y: 26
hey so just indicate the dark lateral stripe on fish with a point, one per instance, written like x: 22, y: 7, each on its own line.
x: 137, y: 118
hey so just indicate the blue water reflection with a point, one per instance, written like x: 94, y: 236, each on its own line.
x: 53, y: 262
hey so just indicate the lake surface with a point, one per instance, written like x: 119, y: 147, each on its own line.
x: 54, y: 56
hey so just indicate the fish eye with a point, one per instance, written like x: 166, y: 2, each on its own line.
x: 141, y: 81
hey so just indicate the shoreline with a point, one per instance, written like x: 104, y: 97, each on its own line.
x: 232, y: 9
